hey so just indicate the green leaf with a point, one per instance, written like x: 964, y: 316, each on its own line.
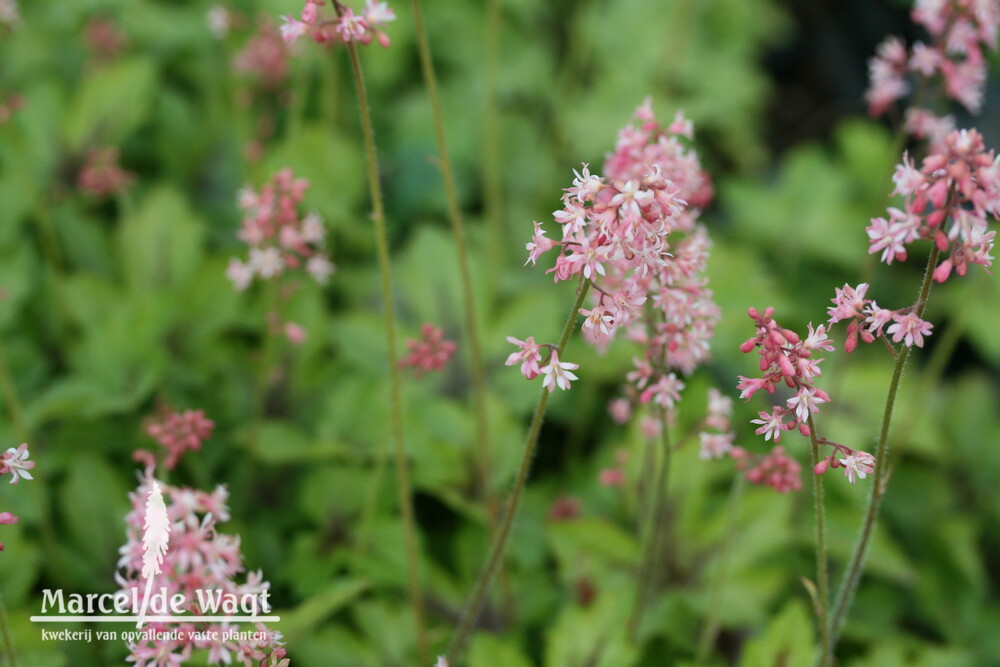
x: 788, y: 640
x: 305, y: 618
x: 111, y: 103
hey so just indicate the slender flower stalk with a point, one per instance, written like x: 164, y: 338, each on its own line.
x: 655, y: 534
x: 711, y: 628
x: 500, y: 540
x: 822, y: 567
x: 877, y: 491
x: 395, y: 397
x: 492, y: 196
x: 458, y: 231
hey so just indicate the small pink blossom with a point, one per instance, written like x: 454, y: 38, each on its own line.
x: 612, y: 477
x: 715, y: 445
x: 858, y: 465
x: 15, y: 462
x: 528, y: 356
x: 180, y: 432
x: 909, y: 328
x: 558, y: 373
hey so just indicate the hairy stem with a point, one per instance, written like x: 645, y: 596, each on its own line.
x: 822, y: 568
x: 469, y: 299
x: 711, y: 628
x: 5, y: 629
x: 395, y: 397
x: 876, y: 492
x: 655, y: 534
x: 499, y: 546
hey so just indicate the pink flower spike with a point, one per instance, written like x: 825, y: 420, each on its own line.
x: 558, y: 373
x: 858, y: 465
x: 15, y: 461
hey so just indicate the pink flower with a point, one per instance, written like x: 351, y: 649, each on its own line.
x: 909, y: 328
x: 715, y: 445
x: 777, y: 470
x: 858, y: 465
x: 430, y: 353
x: 15, y: 461
x: 621, y: 410
x: 292, y: 29
x: 612, y: 477
x: 558, y: 373
x: 771, y: 424
x: 528, y: 356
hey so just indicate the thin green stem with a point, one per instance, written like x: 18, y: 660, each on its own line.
x: 877, y: 490
x: 822, y: 568
x: 711, y: 628
x: 655, y: 534
x: 465, y: 278
x: 499, y: 547
x: 395, y: 397
x: 492, y: 199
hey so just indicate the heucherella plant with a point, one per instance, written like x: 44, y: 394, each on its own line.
x: 197, y: 560
x: 612, y: 240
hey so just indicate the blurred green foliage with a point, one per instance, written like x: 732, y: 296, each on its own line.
x: 114, y: 306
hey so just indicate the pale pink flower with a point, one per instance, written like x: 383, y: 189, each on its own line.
x: 240, y: 274
x: 909, y: 328
x: 558, y: 373
x: 620, y: 410
x: 292, y: 29
x: 858, y: 465
x: 715, y: 445
x: 295, y: 333
x: 528, y: 356
x: 771, y: 424
x: 15, y: 462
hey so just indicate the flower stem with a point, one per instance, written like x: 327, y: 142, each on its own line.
x: 654, y: 534
x: 877, y: 490
x: 469, y: 299
x: 822, y: 568
x: 395, y: 397
x: 711, y: 628
x: 492, y: 191
x: 499, y: 546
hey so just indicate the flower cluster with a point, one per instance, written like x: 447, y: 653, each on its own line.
x: 949, y: 201
x: 431, y: 352
x: 786, y: 358
x: 960, y: 31
x: 101, y: 175
x: 104, y: 39
x: 265, y: 56
x: 776, y: 469
x: 279, y: 238
x: 867, y: 319
x: 716, y: 438
x: 198, y: 557
x: 177, y: 432
x: 14, y: 462
x: 347, y: 27
x: 614, y: 233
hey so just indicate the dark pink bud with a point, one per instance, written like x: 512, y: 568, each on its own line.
x: 753, y: 312
x: 821, y: 467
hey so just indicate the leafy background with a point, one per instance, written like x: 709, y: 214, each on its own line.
x: 113, y: 307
